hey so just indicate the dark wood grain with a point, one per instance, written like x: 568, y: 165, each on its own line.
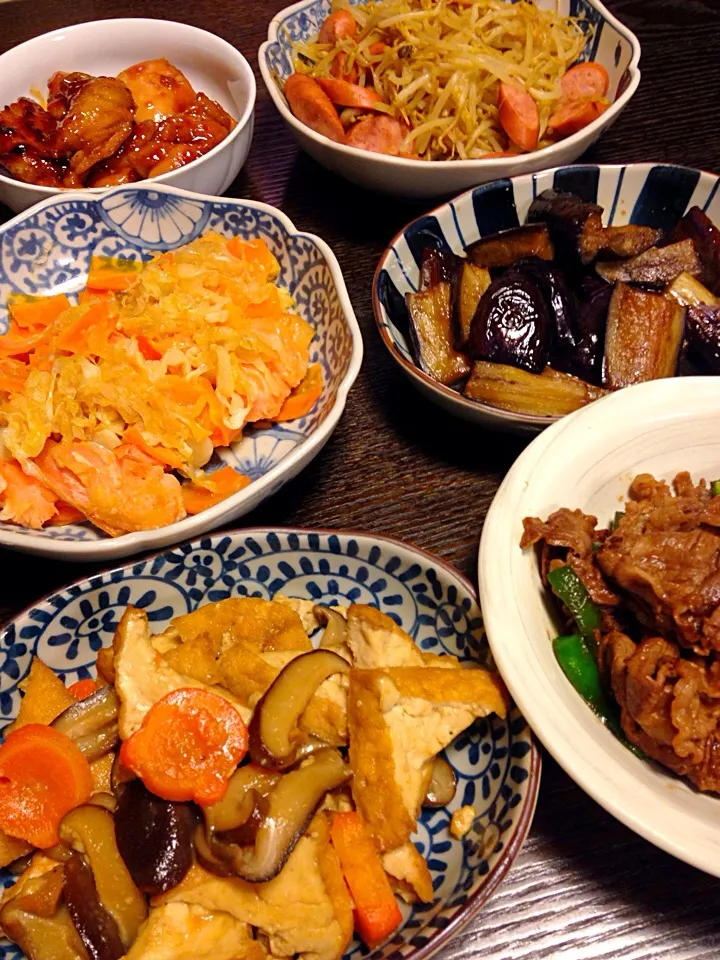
x: 583, y: 886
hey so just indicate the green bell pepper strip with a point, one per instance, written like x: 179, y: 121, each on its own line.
x: 715, y: 488
x: 579, y: 666
x: 569, y: 588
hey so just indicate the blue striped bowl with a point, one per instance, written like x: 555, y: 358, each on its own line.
x: 643, y: 193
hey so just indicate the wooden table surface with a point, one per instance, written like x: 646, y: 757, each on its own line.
x: 583, y: 887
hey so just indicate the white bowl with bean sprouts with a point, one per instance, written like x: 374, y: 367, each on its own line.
x: 467, y: 139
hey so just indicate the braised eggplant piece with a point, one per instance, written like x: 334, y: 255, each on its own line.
x: 97, y: 928
x: 273, y: 731
x: 291, y: 806
x: 690, y: 292
x: 471, y: 285
x: 627, y: 241
x: 154, y: 837
x: 703, y: 335
x: 699, y: 228
x: 657, y: 267
x: 443, y: 784
x: 512, y: 324
x: 643, y: 338
x: 92, y: 723
x: 431, y: 334
x: 548, y: 394
x: 559, y: 298
x: 585, y: 358
x: 504, y: 248
x: 565, y: 216
x: 90, y: 830
x: 437, y: 266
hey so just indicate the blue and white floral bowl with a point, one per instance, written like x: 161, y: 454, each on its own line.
x: 496, y: 761
x: 609, y: 43
x: 656, y: 195
x: 47, y: 250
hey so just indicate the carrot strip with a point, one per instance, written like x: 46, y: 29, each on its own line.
x: 112, y: 274
x: 74, y: 338
x: 148, y: 349
x: 65, y: 515
x: 17, y: 342
x: 159, y: 454
x: 376, y: 911
x: 216, y: 487
x: 304, y: 396
x: 37, y: 311
x: 93, y: 296
x: 82, y: 689
x: 43, y: 776
x: 256, y: 251
x: 13, y: 374
x: 188, y: 746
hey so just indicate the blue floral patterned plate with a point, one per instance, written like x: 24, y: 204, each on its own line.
x: 496, y: 761
x: 47, y: 250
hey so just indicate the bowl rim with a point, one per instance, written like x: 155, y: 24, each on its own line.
x: 495, y: 165
x: 470, y: 908
x: 501, y: 417
x: 241, y: 123
x: 146, y: 539
x: 499, y: 622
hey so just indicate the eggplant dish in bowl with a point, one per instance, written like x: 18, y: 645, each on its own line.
x: 538, y: 320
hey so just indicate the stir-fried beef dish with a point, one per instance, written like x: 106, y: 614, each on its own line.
x: 651, y: 582
x: 104, y: 131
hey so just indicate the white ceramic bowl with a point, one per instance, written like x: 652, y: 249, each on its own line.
x: 105, y: 47
x: 612, y: 45
x: 654, y: 195
x: 47, y: 250
x: 587, y: 461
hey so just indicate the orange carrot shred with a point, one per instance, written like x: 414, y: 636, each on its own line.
x: 112, y: 274
x: 37, y: 311
x: 216, y: 487
x: 82, y: 689
x: 304, y: 396
x: 43, y: 775
x: 188, y: 746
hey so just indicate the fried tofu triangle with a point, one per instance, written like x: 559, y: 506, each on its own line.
x: 399, y: 718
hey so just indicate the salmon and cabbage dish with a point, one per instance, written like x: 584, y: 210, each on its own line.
x: 111, y: 409
x: 226, y: 790
x: 641, y: 598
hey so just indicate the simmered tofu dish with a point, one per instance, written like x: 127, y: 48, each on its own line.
x: 245, y: 784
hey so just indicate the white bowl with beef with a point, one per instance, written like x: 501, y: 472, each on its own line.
x: 213, y: 68
x: 650, y: 576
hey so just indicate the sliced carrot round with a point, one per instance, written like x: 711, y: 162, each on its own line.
x: 337, y: 26
x: 571, y: 117
x: 82, y: 689
x: 349, y: 94
x: 43, y: 776
x: 519, y: 116
x: 312, y: 106
x: 380, y: 134
x: 585, y: 81
x: 188, y: 746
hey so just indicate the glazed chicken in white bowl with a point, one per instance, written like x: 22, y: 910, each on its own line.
x: 120, y: 101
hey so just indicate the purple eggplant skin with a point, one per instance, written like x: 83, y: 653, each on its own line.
x: 559, y: 297
x: 702, y: 331
x: 565, y: 216
x: 586, y: 360
x: 437, y: 266
x: 699, y: 228
x: 512, y: 324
